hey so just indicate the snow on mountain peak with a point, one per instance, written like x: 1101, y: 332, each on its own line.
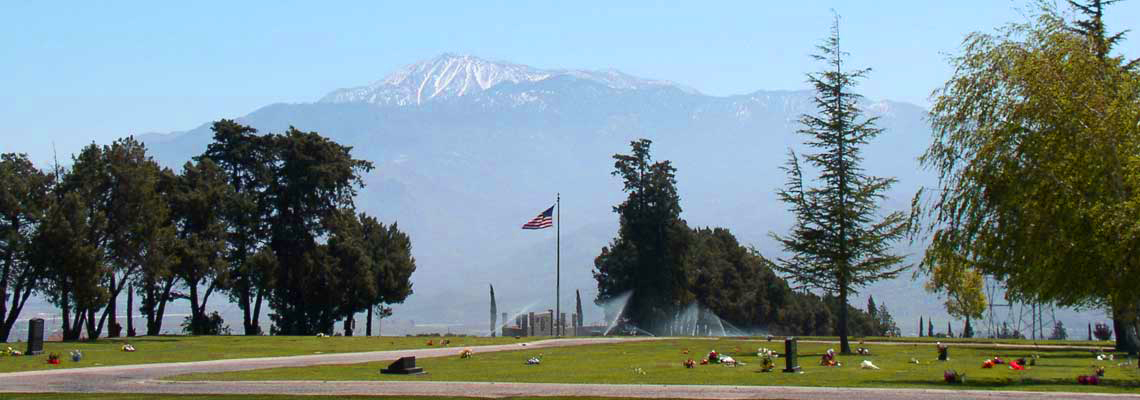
x: 450, y: 75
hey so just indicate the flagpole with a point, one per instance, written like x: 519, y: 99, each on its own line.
x: 558, y: 264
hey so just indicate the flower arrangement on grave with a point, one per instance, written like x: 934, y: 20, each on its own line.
x: 1098, y: 370
x: 952, y: 376
x: 76, y: 355
x: 764, y: 352
x: 1033, y: 359
x: 430, y: 342
x: 728, y: 361
x: 534, y: 360
x: 11, y: 352
x: 1088, y: 379
x: 466, y: 353
x: 714, y: 358
x: 767, y: 364
x: 689, y: 363
x: 1015, y: 365
x: 863, y: 351
x: 988, y: 363
x: 322, y: 335
x: 1105, y: 357
x: 704, y: 361
x: 53, y: 358
x: 943, y: 352
x: 128, y: 347
x: 828, y: 359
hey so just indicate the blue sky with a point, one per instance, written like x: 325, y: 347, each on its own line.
x: 76, y: 72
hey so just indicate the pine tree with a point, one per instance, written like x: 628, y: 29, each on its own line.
x: 871, y: 309
x: 578, y: 307
x: 836, y: 243
x: 949, y: 332
x: 929, y: 327
x: 967, y: 331
x: 494, y: 310
x: 919, y: 326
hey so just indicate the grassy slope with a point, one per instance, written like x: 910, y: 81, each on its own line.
x: 132, y: 396
x: 200, y: 348
x: 660, y: 363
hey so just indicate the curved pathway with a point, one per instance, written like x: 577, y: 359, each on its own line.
x: 145, y: 379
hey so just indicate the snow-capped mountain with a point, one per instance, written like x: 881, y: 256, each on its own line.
x: 449, y: 76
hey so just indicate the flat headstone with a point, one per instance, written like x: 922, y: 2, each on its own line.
x: 403, y: 366
x: 35, y: 337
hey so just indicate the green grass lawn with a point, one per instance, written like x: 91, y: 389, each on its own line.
x: 135, y: 396
x: 911, y: 339
x: 159, y: 349
x: 659, y: 362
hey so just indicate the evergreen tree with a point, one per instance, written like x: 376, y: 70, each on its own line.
x: 25, y: 195
x: 248, y: 160
x: 887, y: 322
x: 949, y: 332
x: 929, y: 327
x: 577, y: 307
x: 967, y: 330
x: 919, y: 326
x: 871, y: 309
x: 494, y: 311
x: 648, y: 255
x: 391, y: 249
x: 314, y: 179
x: 199, y: 199
x: 837, y: 244
x: 1059, y: 332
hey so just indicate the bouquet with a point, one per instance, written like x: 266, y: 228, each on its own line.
x: 76, y: 355
x: 952, y: 376
x: 53, y: 358
x: 466, y: 353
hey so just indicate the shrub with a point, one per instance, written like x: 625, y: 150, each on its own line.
x: 1102, y: 331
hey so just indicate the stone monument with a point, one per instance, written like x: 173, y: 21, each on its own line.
x: 790, y: 355
x: 35, y: 337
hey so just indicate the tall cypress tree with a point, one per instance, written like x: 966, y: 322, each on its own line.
x: 494, y: 310
x: 837, y: 243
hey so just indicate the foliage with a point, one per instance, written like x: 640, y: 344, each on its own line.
x: 198, y: 199
x: 24, y: 200
x: 1059, y: 332
x: 1034, y: 139
x: 212, y: 324
x: 837, y: 243
x: 1102, y: 331
x: 648, y: 255
x: 247, y: 160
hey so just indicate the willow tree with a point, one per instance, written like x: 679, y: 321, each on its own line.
x: 838, y: 243
x: 1035, y: 143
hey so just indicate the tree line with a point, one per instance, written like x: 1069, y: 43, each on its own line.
x: 1035, y: 140
x: 265, y: 219
x: 667, y: 265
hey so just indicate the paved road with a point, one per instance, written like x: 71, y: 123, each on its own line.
x: 145, y: 379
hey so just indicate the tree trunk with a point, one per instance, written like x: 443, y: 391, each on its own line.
x: 1123, y: 325
x: 19, y: 299
x: 255, y: 323
x: 349, y: 324
x: 113, y: 327
x: 368, y: 325
x: 93, y: 328
x: 844, y: 345
x: 130, y: 310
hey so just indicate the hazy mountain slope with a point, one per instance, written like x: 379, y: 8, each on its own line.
x: 467, y: 150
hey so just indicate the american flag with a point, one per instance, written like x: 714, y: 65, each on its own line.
x: 542, y: 220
